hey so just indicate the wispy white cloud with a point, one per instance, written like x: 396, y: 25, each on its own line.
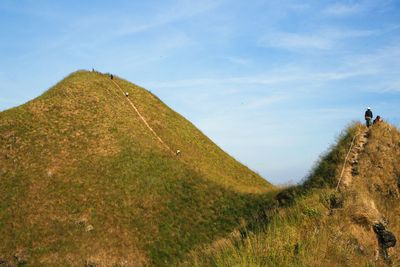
x: 34, y: 9
x: 287, y: 40
x: 382, y: 65
x: 85, y: 34
x: 239, y: 61
x: 264, y: 101
x: 298, y: 6
x: 356, y: 8
x: 384, y: 88
x: 296, y: 74
x: 320, y: 39
x: 267, y: 79
x: 342, y: 9
x: 394, y: 86
x: 126, y: 24
x: 383, y: 56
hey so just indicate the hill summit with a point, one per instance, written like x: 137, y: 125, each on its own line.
x: 89, y: 175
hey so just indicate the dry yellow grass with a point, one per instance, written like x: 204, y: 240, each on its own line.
x: 323, y: 227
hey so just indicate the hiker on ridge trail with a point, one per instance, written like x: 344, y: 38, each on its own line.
x: 377, y: 120
x: 368, y: 117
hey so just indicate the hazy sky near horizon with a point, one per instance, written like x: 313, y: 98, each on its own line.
x: 272, y: 82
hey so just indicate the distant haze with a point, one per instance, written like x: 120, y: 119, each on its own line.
x: 272, y: 82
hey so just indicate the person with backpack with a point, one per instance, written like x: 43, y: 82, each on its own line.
x: 368, y: 117
x: 386, y: 239
x: 377, y: 120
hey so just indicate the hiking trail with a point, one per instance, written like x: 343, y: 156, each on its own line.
x: 143, y: 119
x: 356, y: 148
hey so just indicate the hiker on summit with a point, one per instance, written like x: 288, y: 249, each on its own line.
x: 368, y: 117
x: 377, y: 120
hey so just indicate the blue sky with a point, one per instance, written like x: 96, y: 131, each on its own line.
x: 272, y: 82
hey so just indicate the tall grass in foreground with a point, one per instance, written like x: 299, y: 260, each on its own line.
x: 300, y: 235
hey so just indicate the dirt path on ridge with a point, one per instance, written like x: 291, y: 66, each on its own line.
x: 351, y: 166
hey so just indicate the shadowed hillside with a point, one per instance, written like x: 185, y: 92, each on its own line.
x: 84, y: 181
x: 323, y: 222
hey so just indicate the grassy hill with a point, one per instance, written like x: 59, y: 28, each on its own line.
x: 314, y: 224
x: 84, y: 181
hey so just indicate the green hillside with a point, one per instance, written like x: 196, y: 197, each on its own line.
x: 84, y: 181
x: 314, y: 224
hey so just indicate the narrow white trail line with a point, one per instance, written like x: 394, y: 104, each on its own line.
x: 143, y: 119
x: 348, y: 171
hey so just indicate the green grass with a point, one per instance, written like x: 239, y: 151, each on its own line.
x: 79, y: 155
x: 78, y: 158
x: 324, y: 173
x: 314, y: 225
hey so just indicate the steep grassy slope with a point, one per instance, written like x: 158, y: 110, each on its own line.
x: 83, y: 180
x: 315, y: 225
